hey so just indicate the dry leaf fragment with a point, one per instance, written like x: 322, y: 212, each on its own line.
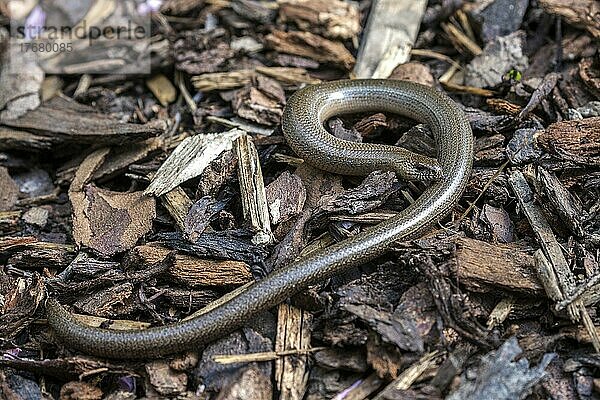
x: 106, y: 221
x: 116, y: 220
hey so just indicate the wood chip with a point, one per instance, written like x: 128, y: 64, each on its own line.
x: 189, y: 160
x: 335, y: 19
x: 285, y: 197
x: 10, y: 191
x: 178, y: 204
x: 166, y: 381
x: 410, y: 375
x: 552, y: 251
x: 581, y: 13
x: 309, y: 45
x: 163, y: 89
x: 196, y: 272
x: 390, y: 33
x: 80, y: 390
x: 64, y: 121
x: 577, y: 140
x: 293, y: 333
x: 242, y: 77
x: 251, y: 383
x: 252, y: 187
x: 482, y: 266
x: 262, y: 101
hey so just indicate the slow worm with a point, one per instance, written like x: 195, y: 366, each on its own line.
x: 303, y: 127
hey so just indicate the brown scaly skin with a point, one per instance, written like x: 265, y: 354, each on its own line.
x: 303, y: 121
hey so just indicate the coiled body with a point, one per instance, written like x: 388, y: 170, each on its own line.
x: 303, y: 128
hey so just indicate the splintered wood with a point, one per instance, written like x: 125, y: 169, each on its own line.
x: 293, y: 333
x: 389, y: 36
x: 190, y: 159
x: 252, y: 186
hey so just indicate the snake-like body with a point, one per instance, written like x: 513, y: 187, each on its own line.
x: 303, y: 127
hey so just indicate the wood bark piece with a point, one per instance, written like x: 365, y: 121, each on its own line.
x: 546, y: 239
x: 42, y: 255
x: 261, y: 101
x: 389, y: 36
x: 196, y: 272
x: 20, y: 79
x: 14, y: 139
x: 568, y: 208
x: 81, y: 390
x: 590, y: 75
x: 252, y: 187
x: 189, y: 159
x: 581, y: 13
x: 64, y: 368
x: 118, y: 299
x: 576, y: 140
x: 286, y: 196
x: 309, y: 45
x: 9, y: 192
x: 178, y: 205
x: 65, y: 121
x: 500, y: 312
x: 7, y: 243
x: 251, y: 383
x: 552, y: 251
x: 236, y: 79
x: 9, y: 223
x: 589, y: 292
x: 482, y: 266
x: 335, y: 19
x: 123, y: 156
x: 114, y: 220
x: 293, y: 333
x: 166, y: 381
x: 547, y: 276
x: 245, y: 125
x: 540, y: 93
x: 21, y: 299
